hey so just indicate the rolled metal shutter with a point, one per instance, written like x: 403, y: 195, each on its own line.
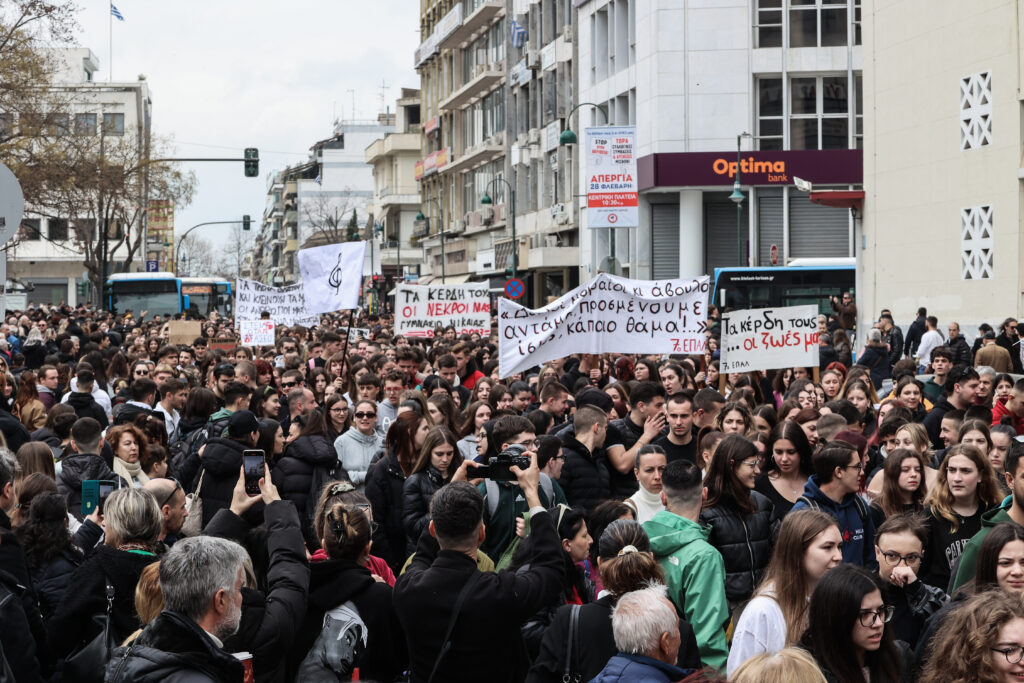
x: 817, y: 231
x: 720, y: 232
x: 770, y: 229
x: 664, y: 241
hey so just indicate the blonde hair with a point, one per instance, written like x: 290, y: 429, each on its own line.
x: 788, y: 665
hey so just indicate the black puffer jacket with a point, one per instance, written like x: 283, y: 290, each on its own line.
x: 745, y: 542
x: 173, y: 648
x: 333, y: 583
x: 14, y: 432
x: 74, y: 469
x: 20, y: 648
x: 384, y: 484
x: 72, y: 622
x: 419, y: 488
x: 585, y: 478
x: 221, y: 463
x: 307, y: 464
x: 51, y: 579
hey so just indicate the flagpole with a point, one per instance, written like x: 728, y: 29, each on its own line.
x: 110, y: 37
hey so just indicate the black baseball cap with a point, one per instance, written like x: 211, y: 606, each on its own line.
x: 242, y: 423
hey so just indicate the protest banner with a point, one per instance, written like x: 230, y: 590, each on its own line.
x: 257, y: 332
x: 612, y: 181
x: 285, y: 305
x: 183, y: 332
x: 332, y: 276
x: 769, y: 339
x: 357, y: 333
x: 607, y: 314
x: 420, y: 309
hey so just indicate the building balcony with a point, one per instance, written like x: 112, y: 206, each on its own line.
x: 392, y: 144
x: 398, y: 199
x: 485, y: 78
x: 481, y: 18
x: 291, y: 218
x: 489, y: 150
x: 552, y: 257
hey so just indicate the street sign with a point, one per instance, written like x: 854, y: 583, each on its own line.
x: 12, y: 208
x: 774, y: 253
x: 152, y: 266
x: 514, y: 288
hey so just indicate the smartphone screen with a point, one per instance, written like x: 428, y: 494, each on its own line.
x: 252, y: 461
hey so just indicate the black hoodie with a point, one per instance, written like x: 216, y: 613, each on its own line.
x: 86, y: 406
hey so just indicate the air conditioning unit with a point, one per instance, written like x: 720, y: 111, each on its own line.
x: 534, y: 137
x: 487, y: 215
x: 533, y: 59
x: 459, y: 227
x: 536, y: 241
x: 567, y: 33
x: 551, y: 240
x: 499, y: 139
x: 561, y: 218
x: 556, y: 209
x: 480, y: 69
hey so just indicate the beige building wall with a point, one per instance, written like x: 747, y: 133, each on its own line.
x: 919, y: 179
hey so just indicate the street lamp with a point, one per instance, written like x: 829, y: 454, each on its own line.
x: 440, y: 229
x: 487, y: 201
x: 737, y: 196
x: 568, y: 137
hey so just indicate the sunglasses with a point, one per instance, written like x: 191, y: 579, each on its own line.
x: 289, y: 385
x: 365, y: 416
x: 142, y: 373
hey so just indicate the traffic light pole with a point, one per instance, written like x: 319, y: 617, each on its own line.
x: 177, y: 259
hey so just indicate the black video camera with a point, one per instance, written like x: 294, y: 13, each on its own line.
x: 499, y: 468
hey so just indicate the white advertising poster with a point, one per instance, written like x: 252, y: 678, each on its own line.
x: 286, y: 305
x: 607, y: 314
x: 612, y: 183
x: 257, y: 332
x: 769, y: 339
x: 332, y: 276
x: 419, y: 310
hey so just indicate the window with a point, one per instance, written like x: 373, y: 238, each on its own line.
x: 58, y: 229
x: 6, y: 124
x: 769, y: 113
x: 30, y: 229
x: 819, y: 113
x: 58, y: 124
x: 85, y: 124
x: 113, y: 124
x: 768, y: 28
x: 817, y: 23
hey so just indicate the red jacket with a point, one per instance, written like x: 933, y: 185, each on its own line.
x: 999, y: 411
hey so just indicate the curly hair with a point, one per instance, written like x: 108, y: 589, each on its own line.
x: 966, y: 639
x: 114, y: 435
x: 44, y: 535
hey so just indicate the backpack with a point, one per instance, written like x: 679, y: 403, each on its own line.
x: 494, y: 493
x: 339, y: 647
x: 812, y: 504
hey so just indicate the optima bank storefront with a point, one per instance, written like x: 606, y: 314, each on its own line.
x: 693, y: 223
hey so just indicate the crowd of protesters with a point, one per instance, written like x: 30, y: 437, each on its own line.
x: 613, y: 517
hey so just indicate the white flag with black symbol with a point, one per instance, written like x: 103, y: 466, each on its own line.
x: 332, y: 276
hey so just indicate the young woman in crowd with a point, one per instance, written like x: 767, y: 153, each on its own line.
x: 965, y: 488
x: 786, y: 469
x: 765, y: 418
x: 361, y: 445
x: 832, y: 383
x: 734, y: 418
x: 438, y: 459
x: 740, y: 519
x: 809, y: 545
x: 339, y: 415
x: 912, y: 437
x: 903, y: 489
x: 271, y: 440
x: 808, y: 418
x: 910, y: 393
x: 27, y: 406
x: 780, y: 385
x: 860, y: 393
x: 1002, y: 438
x: 308, y: 462
x: 476, y: 415
x: 442, y: 412
x: 846, y: 628
x: 976, y: 433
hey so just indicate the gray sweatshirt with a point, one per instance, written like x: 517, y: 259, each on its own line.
x: 355, y: 453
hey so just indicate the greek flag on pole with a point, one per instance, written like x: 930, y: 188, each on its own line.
x: 114, y: 12
x: 318, y: 180
x: 518, y: 34
x: 332, y: 276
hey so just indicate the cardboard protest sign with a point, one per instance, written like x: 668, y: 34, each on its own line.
x: 184, y: 332
x: 286, y: 305
x: 257, y: 332
x: 607, y: 314
x: 419, y: 310
x: 769, y: 339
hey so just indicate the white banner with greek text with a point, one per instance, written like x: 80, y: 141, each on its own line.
x: 286, y: 305
x: 607, y: 314
x: 257, y: 332
x: 769, y: 339
x: 420, y: 309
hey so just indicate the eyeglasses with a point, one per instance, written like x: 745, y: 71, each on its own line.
x: 893, y: 559
x: 859, y: 466
x: 868, y: 617
x: 365, y: 416
x: 1013, y: 654
x: 750, y: 463
x: 339, y: 411
x: 529, y: 444
x: 177, y: 487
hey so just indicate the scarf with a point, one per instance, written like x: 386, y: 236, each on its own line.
x: 130, y: 471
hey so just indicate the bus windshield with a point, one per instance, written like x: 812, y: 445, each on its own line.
x: 159, y: 297
x: 743, y: 288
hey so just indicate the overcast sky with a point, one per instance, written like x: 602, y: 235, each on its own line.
x: 253, y: 73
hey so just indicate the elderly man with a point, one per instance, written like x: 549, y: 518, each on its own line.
x: 201, y: 580
x: 646, y: 630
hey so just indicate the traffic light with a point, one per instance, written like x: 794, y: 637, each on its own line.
x: 252, y: 163
x: 246, y: 222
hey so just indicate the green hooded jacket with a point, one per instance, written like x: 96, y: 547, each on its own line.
x: 969, y: 558
x: 695, y: 577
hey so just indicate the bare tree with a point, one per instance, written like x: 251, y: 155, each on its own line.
x: 233, y: 255
x: 197, y: 256
x: 328, y: 218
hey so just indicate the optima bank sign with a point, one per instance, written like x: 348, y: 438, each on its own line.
x: 709, y: 169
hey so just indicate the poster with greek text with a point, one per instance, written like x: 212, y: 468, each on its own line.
x: 769, y: 339
x: 420, y: 309
x: 257, y: 332
x: 607, y: 314
x: 612, y: 185
x: 286, y: 305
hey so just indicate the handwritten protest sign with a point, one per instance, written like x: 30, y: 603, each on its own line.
x: 607, y: 314
x: 357, y: 333
x: 286, y: 305
x: 770, y: 338
x: 419, y: 310
x: 257, y: 332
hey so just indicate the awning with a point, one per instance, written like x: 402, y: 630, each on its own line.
x: 425, y: 280
x: 456, y: 279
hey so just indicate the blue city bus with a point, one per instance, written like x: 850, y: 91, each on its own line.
x: 158, y: 293
x: 802, y: 282
x: 206, y: 295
